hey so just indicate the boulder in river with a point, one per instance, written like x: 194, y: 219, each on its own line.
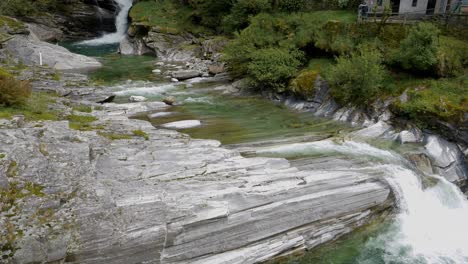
x: 185, y: 74
x: 182, y: 124
x: 137, y: 98
x: 169, y: 100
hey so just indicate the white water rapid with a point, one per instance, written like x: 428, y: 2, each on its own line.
x: 120, y: 24
x: 431, y: 224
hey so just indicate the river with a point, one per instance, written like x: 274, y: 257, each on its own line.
x: 429, y: 223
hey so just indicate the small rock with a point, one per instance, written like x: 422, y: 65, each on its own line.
x: 174, y: 80
x: 159, y: 114
x: 156, y: 71
x: 216, y: 69
x: 169, y: 100
x: 205, y: 75
x: 182, y: 124
x: 136, y: 98
x: 160, y: 63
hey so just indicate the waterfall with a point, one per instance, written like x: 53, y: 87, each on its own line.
x: 120, y: 24
x: 431, y: 224
x: 430, y: 227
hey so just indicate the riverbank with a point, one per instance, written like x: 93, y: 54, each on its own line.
x: 100, y: 178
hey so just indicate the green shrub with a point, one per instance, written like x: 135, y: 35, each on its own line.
x: 303, y: 84
x: 358, y: 78
x: 241, y: 11
x: 271, y: 68
x: 290, y: 5
x: 13, y: 92
x: 31, y: 7
x: 418, y: 51
x: 452, y: 57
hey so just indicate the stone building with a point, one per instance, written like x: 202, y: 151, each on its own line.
x: 420, y: 7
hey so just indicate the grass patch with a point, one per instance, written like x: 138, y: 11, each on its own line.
x: 166, y: 15
x: 83, y: 108
x: 82, y: 123
x: 114, y: 136
x: 12, y: 23
x: 141, y: 133
x: 432, y: 100
x: 36, y: 108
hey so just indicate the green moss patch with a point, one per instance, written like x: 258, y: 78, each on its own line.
x: 82, y: 123
x: 115, y: 136
x: 141, y: 133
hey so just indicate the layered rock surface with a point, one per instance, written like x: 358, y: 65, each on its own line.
x: 169, y: 199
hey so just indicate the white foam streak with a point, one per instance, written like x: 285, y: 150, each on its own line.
x: 145, y: 90
x: 329, y: 146
x: 120, y: 24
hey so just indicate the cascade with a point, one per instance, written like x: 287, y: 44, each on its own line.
x: 430, y: 223
x: 120, y: 24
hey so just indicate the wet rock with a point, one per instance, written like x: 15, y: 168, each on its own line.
x: 169, y: 100
x: 216, y: 69
x: 413, y: 135
x: 174, y: 80
x: 159, y: 114
x: 134, y: 46
x: 184, y: 124
x: 136, y: 98
x: 156, y: 71
x: 185, y: 74
x: 448, y: 160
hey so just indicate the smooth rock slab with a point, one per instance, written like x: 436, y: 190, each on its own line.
x: 182, y: 124
x: 185, y: 74
x: 57, y: 57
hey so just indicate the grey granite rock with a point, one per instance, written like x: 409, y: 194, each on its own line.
x: 29, y: 50
x: 168, y: 199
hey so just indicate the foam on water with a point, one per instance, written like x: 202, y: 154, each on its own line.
x: 151, y: 90
x: 121, y: 22
x: 328, y: 147
x: 432, y: 223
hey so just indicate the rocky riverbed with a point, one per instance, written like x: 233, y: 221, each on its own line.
x: 102, y: 187
x: 158, y: 196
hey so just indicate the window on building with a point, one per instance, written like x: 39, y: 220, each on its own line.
x: 415, y: 2
x: 379, y: 2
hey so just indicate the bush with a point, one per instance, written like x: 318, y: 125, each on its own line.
x: 303, y: 84
x: 452, y: 57
x: 271, y: 68
x: 241, y: 11
x: 358, y: 78
x: 443, y: 99
x: 290, y: 5
x: 418, y: 51
x: 13, y: 92
x: 30, y: 7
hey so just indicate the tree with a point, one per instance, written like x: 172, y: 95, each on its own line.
x: 418, y: 51
x: 357, y: 78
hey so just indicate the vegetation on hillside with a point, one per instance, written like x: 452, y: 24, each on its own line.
x: 24, y: 8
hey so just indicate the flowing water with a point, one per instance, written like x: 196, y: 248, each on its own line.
x: 121, y: 23
x: 431, y: 222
